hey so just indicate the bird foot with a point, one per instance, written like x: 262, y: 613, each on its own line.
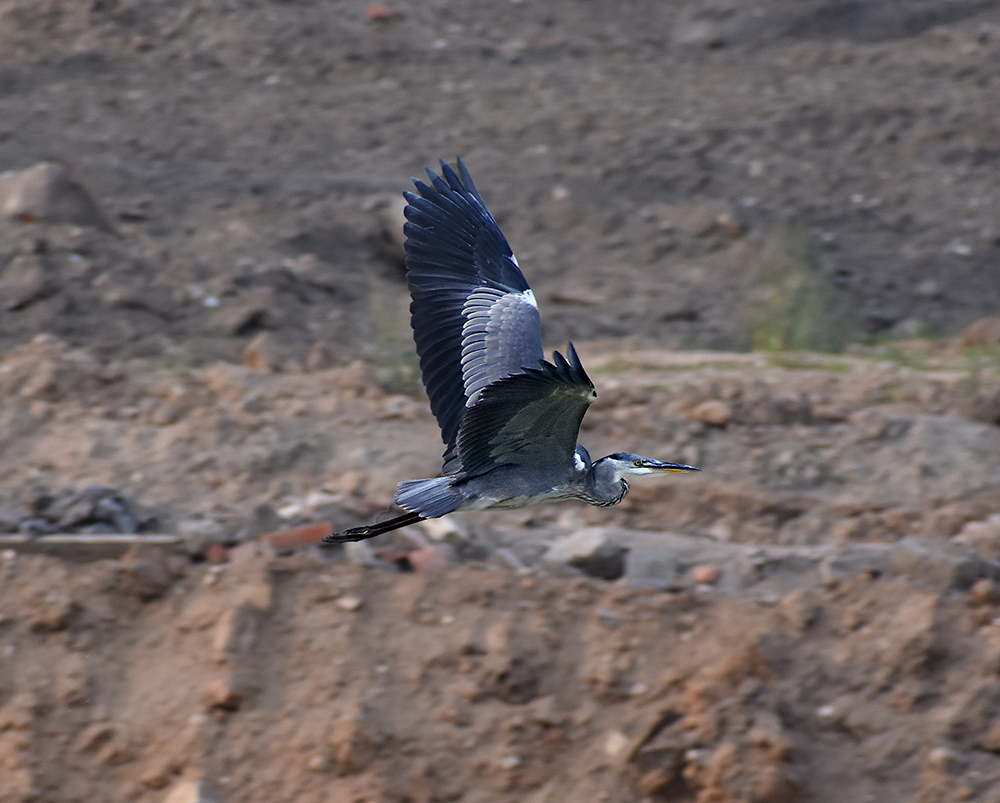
x: 372, y: 530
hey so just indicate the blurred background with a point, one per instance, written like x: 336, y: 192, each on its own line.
x: 772, y: 230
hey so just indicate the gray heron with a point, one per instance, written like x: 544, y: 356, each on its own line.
x: 509, y: 418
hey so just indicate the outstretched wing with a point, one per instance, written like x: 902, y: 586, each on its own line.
x: 474, y: 317
x: 530, y: 418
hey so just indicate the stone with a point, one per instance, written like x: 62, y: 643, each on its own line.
x: 379, y: 12
x: 51, y: 191
x: 652, y: 568
x: 220, y: 694
x: 855, y: 559
x: 431, y: 558
x: 984, y: 332
x: 984, y: 592
x: 590, y: 551
x: 712, y: 411
x: 940, y: 568
x: 147, y: 571
x: 286, y: 540
x: 193, y: 792
x: 10, y: 519
x: 25, y: 280
x: 706, y: 574
x: 985, y: 406
x: 94, y: 505
x: 262, y: 353
x: 249, y: 312
x: 982, y: 536
x: 349, y: 603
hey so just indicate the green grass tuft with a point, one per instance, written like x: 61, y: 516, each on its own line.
x: 794, y: 305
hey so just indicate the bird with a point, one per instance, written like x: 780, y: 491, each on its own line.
x: 509, y: 418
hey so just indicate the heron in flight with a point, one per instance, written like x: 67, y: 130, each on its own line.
x: 509, y: 418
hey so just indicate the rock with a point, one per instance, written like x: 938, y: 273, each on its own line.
x: 220, y: 694
x: 651, y: 568
x: 10, y: 519
x: 590, y: 551
x: 444, y: 528
x: 249, y: 312
x: 856, y: 559
x: 72, y: 683
x: 390, y: 220
x: 147, y: 571
x: 938, y: 567
x: 984, y: 592
x: 708, y: 34
x: 284, y: 540
x: 982, y: 536
x: 431, y: 558
x: 217, y: 554
x: 320, y: 356
x: 349, y: 603
x: 25, y: 280
x: 379, y: 12
x: 262, y: 353
x: 985, y: 333
x: 705, y: 219
x: 706, y: 574
x: 712, y: 411
x: 616, y: 744
x: 54, y: 192
x: 990, y: 740
x: 985, y: 406
x: 97, y: 508
x: 199, y: 534
x: 193, y: 792
x: 53, y: 614
x: 355, y: 737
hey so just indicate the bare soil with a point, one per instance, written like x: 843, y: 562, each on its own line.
x: 815, y: 616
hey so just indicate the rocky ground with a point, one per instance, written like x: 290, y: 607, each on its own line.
x: 204, y: 346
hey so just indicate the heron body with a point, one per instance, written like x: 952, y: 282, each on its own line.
x: 509, y: 418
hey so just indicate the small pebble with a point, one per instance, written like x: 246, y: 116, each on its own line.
x: 509, y: 762
x: 349, y: 603
x: 217, y: 554
x: 984, y: 592
x: 706, y: 574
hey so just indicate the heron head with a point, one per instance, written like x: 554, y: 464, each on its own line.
x: 626, y: 464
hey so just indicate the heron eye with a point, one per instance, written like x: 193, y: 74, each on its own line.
x: 637, y: 463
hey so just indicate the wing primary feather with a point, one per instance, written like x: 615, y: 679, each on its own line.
x: 474, y: 320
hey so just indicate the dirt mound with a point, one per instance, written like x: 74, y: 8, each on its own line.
x: 287, y: 679
x: 811, y: 636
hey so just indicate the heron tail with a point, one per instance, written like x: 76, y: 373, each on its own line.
x: 430, y: 498
x: 423, y: 499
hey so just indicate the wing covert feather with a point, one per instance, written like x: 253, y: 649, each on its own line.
x: 530, y: 418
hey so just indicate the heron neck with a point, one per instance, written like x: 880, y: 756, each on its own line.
x: 607, y: 485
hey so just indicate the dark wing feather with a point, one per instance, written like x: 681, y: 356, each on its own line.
x: 474, y: 319
x: 531, y: 418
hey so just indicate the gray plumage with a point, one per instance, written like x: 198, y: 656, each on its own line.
x: 509, y: 418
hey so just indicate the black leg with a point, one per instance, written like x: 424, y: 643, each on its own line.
x: 371, y: 530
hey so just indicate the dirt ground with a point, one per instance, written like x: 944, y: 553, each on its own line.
x: 218, y: 350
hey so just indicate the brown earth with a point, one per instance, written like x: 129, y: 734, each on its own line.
x: 218, y: 349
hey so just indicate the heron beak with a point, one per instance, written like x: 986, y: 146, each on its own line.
x: 659, y: 467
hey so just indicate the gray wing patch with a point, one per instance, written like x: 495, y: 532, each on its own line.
x: 501, y: 336
x: 528, y: 418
